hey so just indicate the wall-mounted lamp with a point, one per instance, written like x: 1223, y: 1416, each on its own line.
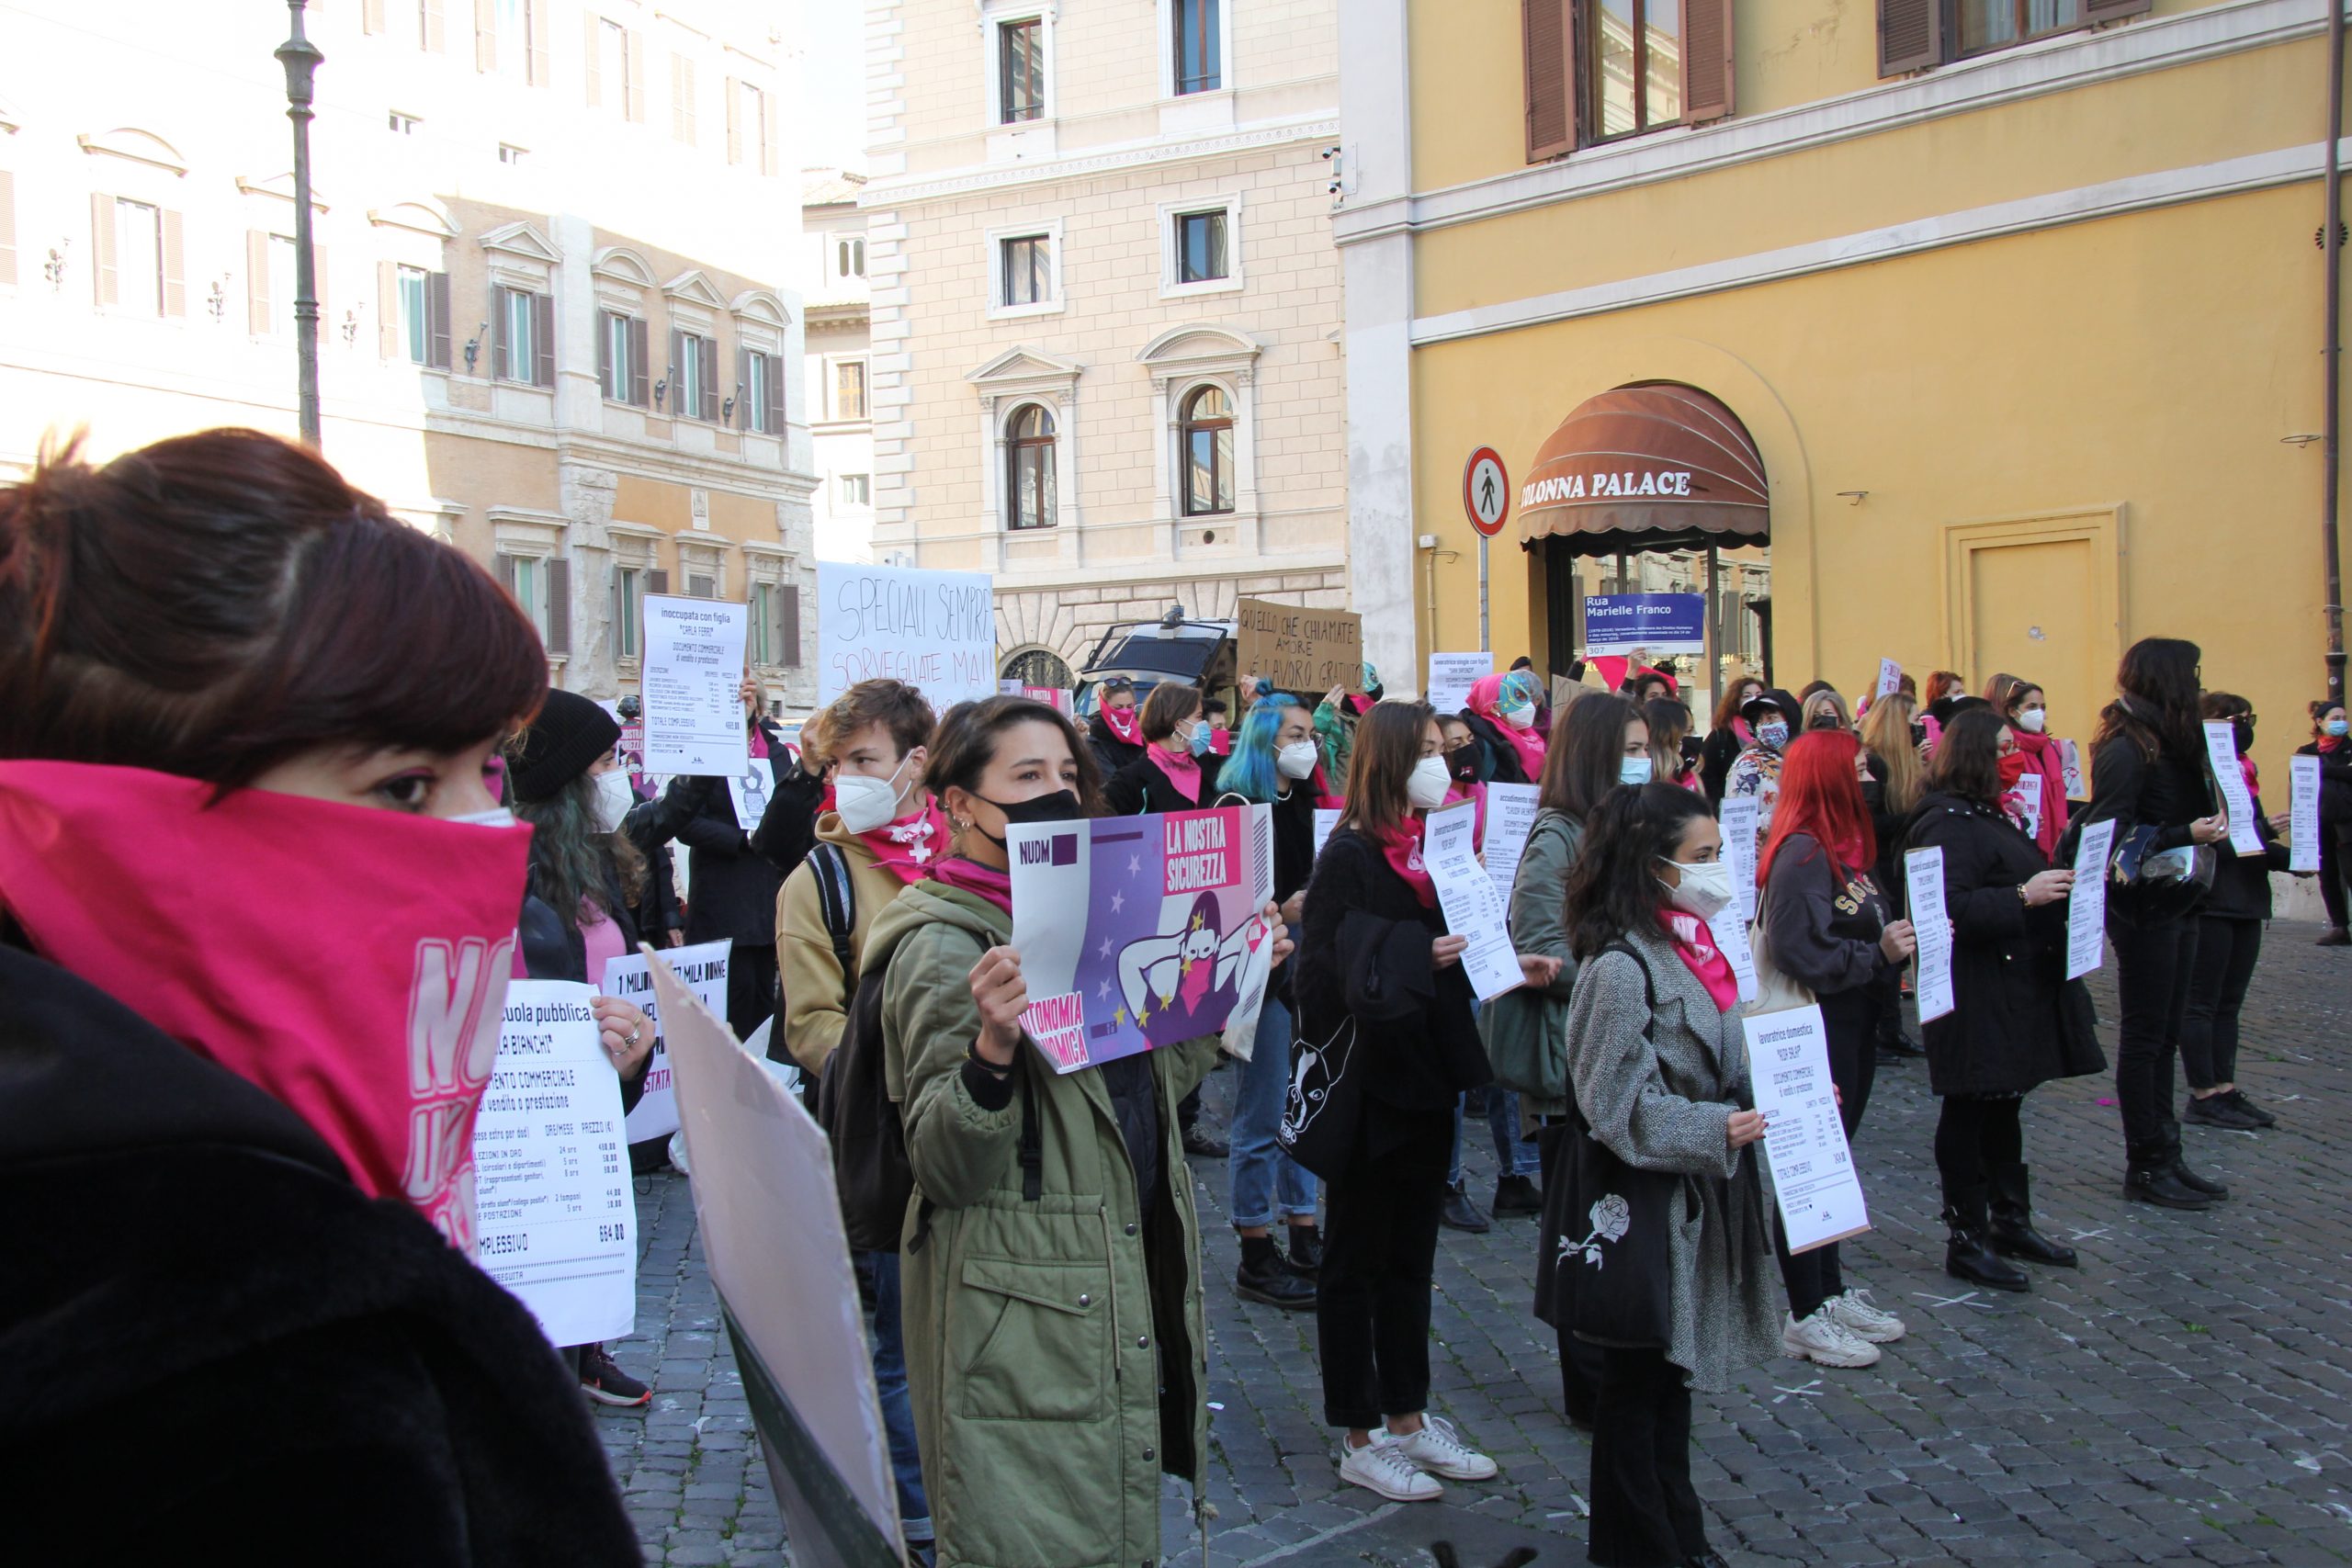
x: 351, y: 326
x: 726, y: 409
x: 219, y: 301
x: 1853, y: 497
x: 53, y: 268
x: 473, y: 346
x: 2297, y: 440
x: 662, y: 388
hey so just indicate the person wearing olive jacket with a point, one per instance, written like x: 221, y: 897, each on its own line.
x: 2018, y: 1021
x: 1056, y: 1347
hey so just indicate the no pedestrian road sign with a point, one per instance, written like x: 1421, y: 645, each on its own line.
x: 1486, y: 491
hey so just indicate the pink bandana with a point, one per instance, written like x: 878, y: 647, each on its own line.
x: 1179, y: 768
x: 1695, y: 945
x: 910, y: 845
x: 351, y: 962
x: 1486, y: 701
x: 1401, y: 847
x: 1124, y: 723
x: 987, y: 881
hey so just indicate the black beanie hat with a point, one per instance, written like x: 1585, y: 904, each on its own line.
x: 569, y: 735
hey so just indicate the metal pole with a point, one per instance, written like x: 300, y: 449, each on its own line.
x: 1715, y: 655
x: 1486, y: 644
x: 2332, y: 352
x: 302, y: 58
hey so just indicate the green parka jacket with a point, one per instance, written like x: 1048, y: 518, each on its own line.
x: 1526, y: 1031
x: 1039, y: 1333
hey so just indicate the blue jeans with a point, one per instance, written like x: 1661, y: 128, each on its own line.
x: 1268, y: 1185
x: 1514, y: 1156
x: 890, y: 1383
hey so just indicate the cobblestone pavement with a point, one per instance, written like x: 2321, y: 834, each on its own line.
x: 2185, y: 1396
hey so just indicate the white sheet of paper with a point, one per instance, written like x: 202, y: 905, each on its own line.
x: 2087, y: 906
x: 2303, y: 813
x: 2028, y: 793
x: 692, y: 684
x: 1326, y: 818
x: 1510, y: 816
x: 557, y: 1218
x: 1922, y: 877
x: 1804, y: 1141
x: 2072, y: 756
x: 935, y: 630
x: 1452, y: 675
x: 704, y: 969
x: 1450, y: 849
x: 749, y: 792
x: 2222, y: 750
x: 771, y: 1225
x: 1737, y: 820
x: 1733, y: 941
x: 1890, y: 677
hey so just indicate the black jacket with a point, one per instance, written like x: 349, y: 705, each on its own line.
x: 1721, y: 749
x: 2242, y: 883
x: 1825, y: 930
x: 1140, y: 787
x: 303, y: 1374
x: 1364, y: 951
x: 1112, y: 754
x: 2334, y: 785
x: 731, y: 881
x: 2167, y: 791
x: 2018, y: 1020
x: 1501, y: 759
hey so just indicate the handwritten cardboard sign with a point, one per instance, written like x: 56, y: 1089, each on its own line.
x: 1300, y: 650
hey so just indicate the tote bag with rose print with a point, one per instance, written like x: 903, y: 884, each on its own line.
x: 1602, y: 1271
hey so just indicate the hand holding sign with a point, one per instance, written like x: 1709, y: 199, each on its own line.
x: 1002, y: 996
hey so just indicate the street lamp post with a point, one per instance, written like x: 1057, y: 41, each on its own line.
x: 302, y: 58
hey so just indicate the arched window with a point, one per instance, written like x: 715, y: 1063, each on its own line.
x: 1029, y: 469
x: 1207, y: 426
x: 1037, y: 667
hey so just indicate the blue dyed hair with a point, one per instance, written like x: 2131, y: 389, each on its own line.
x: 1250, y: 773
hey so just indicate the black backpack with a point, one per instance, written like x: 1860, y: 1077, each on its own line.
x: 853, y: 1104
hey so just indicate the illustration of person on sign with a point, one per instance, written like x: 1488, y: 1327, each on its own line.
x: 1486, y: 507
x: 1181, y: 986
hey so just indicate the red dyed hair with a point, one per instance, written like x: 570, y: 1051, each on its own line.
x: 1821, y: 796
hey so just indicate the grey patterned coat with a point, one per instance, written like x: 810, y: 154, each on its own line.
x: 1661, y: 1103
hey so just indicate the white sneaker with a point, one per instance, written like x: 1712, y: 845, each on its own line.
x: 1382, y: 1467
x: 1864, y: 1319
x: 1439, y: 1449
x: 1822, y: 1339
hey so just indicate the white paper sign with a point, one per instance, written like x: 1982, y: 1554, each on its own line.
x: 2303, y: 814
x: 748, y: 792
x: 1736, y: 818
x: 1734, y: 944
x: 1890, y: 677
x: 1451, y: 677
x: 704, y: 969
x: 2087, y: 908
x: 2222, y: 750
x: 1450, y: 849
x: 556, y: 1216
x: 935, y: 630
x: 1804, y: 1141
x: 693, y: 683
x: 2072, y: 757
x: 2028, y: 799
x: 1510, y: 817
x: 1922, y: 877
x: 1326, y: 818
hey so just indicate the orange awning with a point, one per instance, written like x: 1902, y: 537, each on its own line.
x: 1651, y: 467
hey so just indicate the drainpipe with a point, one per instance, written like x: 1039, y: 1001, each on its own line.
x: 2331, y: 243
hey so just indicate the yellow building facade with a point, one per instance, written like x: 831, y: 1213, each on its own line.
x: 2027, y: 334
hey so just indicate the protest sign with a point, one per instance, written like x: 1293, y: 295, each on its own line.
x: 1140, y: 931
x: 934, y: 631
x: 1054, y: 697
x: 1890, y: 677
x: 693, y: 680
x: 1451, y: 677
x: 769, y: 1217
x: 1923, y: 879
x: 748, y: 791
x: 1804, y: 1141
x: 1299, y: 650
x: 2237, y: 801
x: 2303, y: 814
x: 2070, y: 757
x: 703, y: 967
x: 2027, y: 798
x: 1736, y: 817
x: 553, y: 1208
x: 1326, y: 818
x: 1450, y: 850
x: 2087, y: 906
x: 1732, y: 943
x: 1644, y: 623
x: 1510, y: 817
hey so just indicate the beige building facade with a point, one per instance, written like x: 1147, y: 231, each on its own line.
x: 551, y: 234
x: 841, y: 383
x: 1107, y: 365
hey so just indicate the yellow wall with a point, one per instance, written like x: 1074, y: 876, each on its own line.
x: 2145, y: 367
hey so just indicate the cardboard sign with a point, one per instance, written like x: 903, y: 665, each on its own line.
x: 935, y: 630
x: 1451, y: 677
x: 1804, y: 1140
x: 694, y: 674
x: 1299, y: 650
x: 703, y: 967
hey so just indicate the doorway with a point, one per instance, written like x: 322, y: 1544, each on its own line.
x: 2039, y: 598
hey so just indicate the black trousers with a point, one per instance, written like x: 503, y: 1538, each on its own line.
x: 1645, y: 1512
x: 2227, y: 951
x: 751, y: 993
x: 1974, y: 1136
x: 1372, y: 1304
x: 2153, y: 965
x: 2330, y: 872
x: 1851, y: 1020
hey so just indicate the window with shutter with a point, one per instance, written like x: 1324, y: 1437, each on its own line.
x: 1706, y: 84
x: 701, y: 587
x: 594, y: 61
x: 681, y: 98
x: 734, y: 121
x: 758, y: 623
x: 542, y: 340
x: 639, y: 367
x: 174, y: 265
x: 787, y: 635
x: 431, y: 27
x: 534, y: 19
x: 257, y: 302
x: 485, y: 34
x: 710, y: 379
x: 773, y: 399
x: 1547, y: 69
x: 657, y: 583
x: 624, y: 611
x: 559, y: 616
x: 436, y: 320
x: 633, y: 81
x: 7, y: 227
x: 1630, y: 64
x: 371, y: 15
x: 611, y: 353
x: 501, y: 329
x: 1910, y: 35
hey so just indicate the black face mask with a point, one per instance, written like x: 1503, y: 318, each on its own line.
x: 1463, y: 761
x: 2245, y: 728
x: 1060, y: 806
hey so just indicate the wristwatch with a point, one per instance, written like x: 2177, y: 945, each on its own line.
x: 2021, y: 897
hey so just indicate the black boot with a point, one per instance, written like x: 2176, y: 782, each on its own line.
x: 2193, y: 1181
x: 2013, y: 1233
x: 2149, y: 1176
x: 1305, y: 1257
x: 1263, y: 1279
x: 1969, y: 1254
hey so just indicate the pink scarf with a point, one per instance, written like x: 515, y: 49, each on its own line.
x: 759, y: 742
x: 2246, y: 766
x: 1485, y: 702
x: 1179, y: 768
x: 351, y: 962
x: 1695, y: 945
x: 1401, y: 848
x: 906, y: 848
x: 1124, y: 723
x: 986, y: 881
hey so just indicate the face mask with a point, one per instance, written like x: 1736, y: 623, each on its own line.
x: 2032, y: 719
x: 2012, y: 770
x: 1296, y: 761
x: 1705, y: 889
x: 1123, y: 723
x: 1635, y: 770
x: 614, y: 797
x: 1773, y: 732
x: 2336, y: 727
x: 1427, y: 784
x: 1462, y: 762
x: 1060, y: 806
x: 1519, y: 718
x: 2243, y: 730
x: 866, y: 804
x: 1198, y: 742
x: 502, y: 817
